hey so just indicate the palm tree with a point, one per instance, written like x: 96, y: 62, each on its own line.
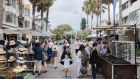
x: 108, y: 3
x: 34, y: 3
x: 86, y: 9
x: 48, y: 4
x: 92, y: 5
x: 1, y: 13
x: 95, y: 9
x: 98, y: 11
x: 41, y: 8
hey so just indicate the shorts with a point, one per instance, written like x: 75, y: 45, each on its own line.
x: 54, y: 54
x: 67, y: 69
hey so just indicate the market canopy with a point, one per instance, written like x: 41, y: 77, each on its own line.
x: 16, y: 31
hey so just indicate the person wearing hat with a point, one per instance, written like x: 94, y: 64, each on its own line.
x: 37, y: 57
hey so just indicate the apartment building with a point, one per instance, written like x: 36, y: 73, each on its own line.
x: 130, y: 16
x: 131, y: 11
x: 11, y: 12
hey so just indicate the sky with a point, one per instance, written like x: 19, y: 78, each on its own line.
x: 69, y: 12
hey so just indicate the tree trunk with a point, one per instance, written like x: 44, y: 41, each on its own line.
x: 109, y: 22
x: 1, y: 13
x: 91, y: 20
x: 47, y: 18
x: 87, y: 21
x: 120, y: 12
x: 33, y: 13
x: 41, y: 20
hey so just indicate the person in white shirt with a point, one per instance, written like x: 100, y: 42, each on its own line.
x: 76, y: 46
x: 67, y: 64
x: 55, y: 50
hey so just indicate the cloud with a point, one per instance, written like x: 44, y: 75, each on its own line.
x: 63, y: 12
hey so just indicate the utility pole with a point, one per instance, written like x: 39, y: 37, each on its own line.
x: 1, y: 13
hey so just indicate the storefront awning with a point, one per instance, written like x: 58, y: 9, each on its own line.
x: 133, y: 18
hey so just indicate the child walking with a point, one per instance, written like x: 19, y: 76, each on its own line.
x: 67, y: 64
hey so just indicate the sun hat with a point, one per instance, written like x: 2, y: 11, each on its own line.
x: 22, y: 49
x: 12, y: 42
x: 2, y: 51
x: 24, y: 66
x: 36, y: 41
x: 18, y: 69
x: 2, y: 58
x: 21, y: 60
x: 11, y: 58
x: 12, y: 50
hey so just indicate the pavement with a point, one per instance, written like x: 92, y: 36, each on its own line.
x: 59, y: 73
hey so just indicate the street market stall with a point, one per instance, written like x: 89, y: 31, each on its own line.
x: 122, y: 63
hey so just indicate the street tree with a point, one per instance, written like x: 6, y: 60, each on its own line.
x: 61, y: 29
x: 83, y: 24
x: 48, y: 4
x: 34, y: 3
x: 86, y: 9
x: 108, y: 3
x: 83, y: 34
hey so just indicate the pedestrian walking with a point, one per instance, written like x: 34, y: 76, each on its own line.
x: 49, y: 52
x: 67, y: 63
x: 76, y: 46
x: 93, y: 60
x: 55, y: 50
x: 66, y: 49
x: 37, y: 57
x: 82, y: 59
x: 44, y: 56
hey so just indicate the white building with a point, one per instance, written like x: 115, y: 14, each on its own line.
x: 130, y: 16
x: 11, y: 13
x: 129, y: 11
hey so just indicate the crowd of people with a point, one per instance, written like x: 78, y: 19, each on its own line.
x: 88, y: 55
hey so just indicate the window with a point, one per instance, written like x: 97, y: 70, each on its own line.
x: 11, y: 3
x: 26, y: 12
x: 27, y: 24
x: 10, y: 17
x: 132, y: 1
x: 125, y: 19
x: 125, y: 6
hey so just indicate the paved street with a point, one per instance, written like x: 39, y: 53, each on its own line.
x: 59, y: 74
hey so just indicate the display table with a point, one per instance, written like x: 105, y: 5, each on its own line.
x: 115, y: 68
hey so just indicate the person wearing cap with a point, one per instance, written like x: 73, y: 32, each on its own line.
x: 37, y: 57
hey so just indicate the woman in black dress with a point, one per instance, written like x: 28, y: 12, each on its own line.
x: 94, y: 59
x: 66, y: 51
